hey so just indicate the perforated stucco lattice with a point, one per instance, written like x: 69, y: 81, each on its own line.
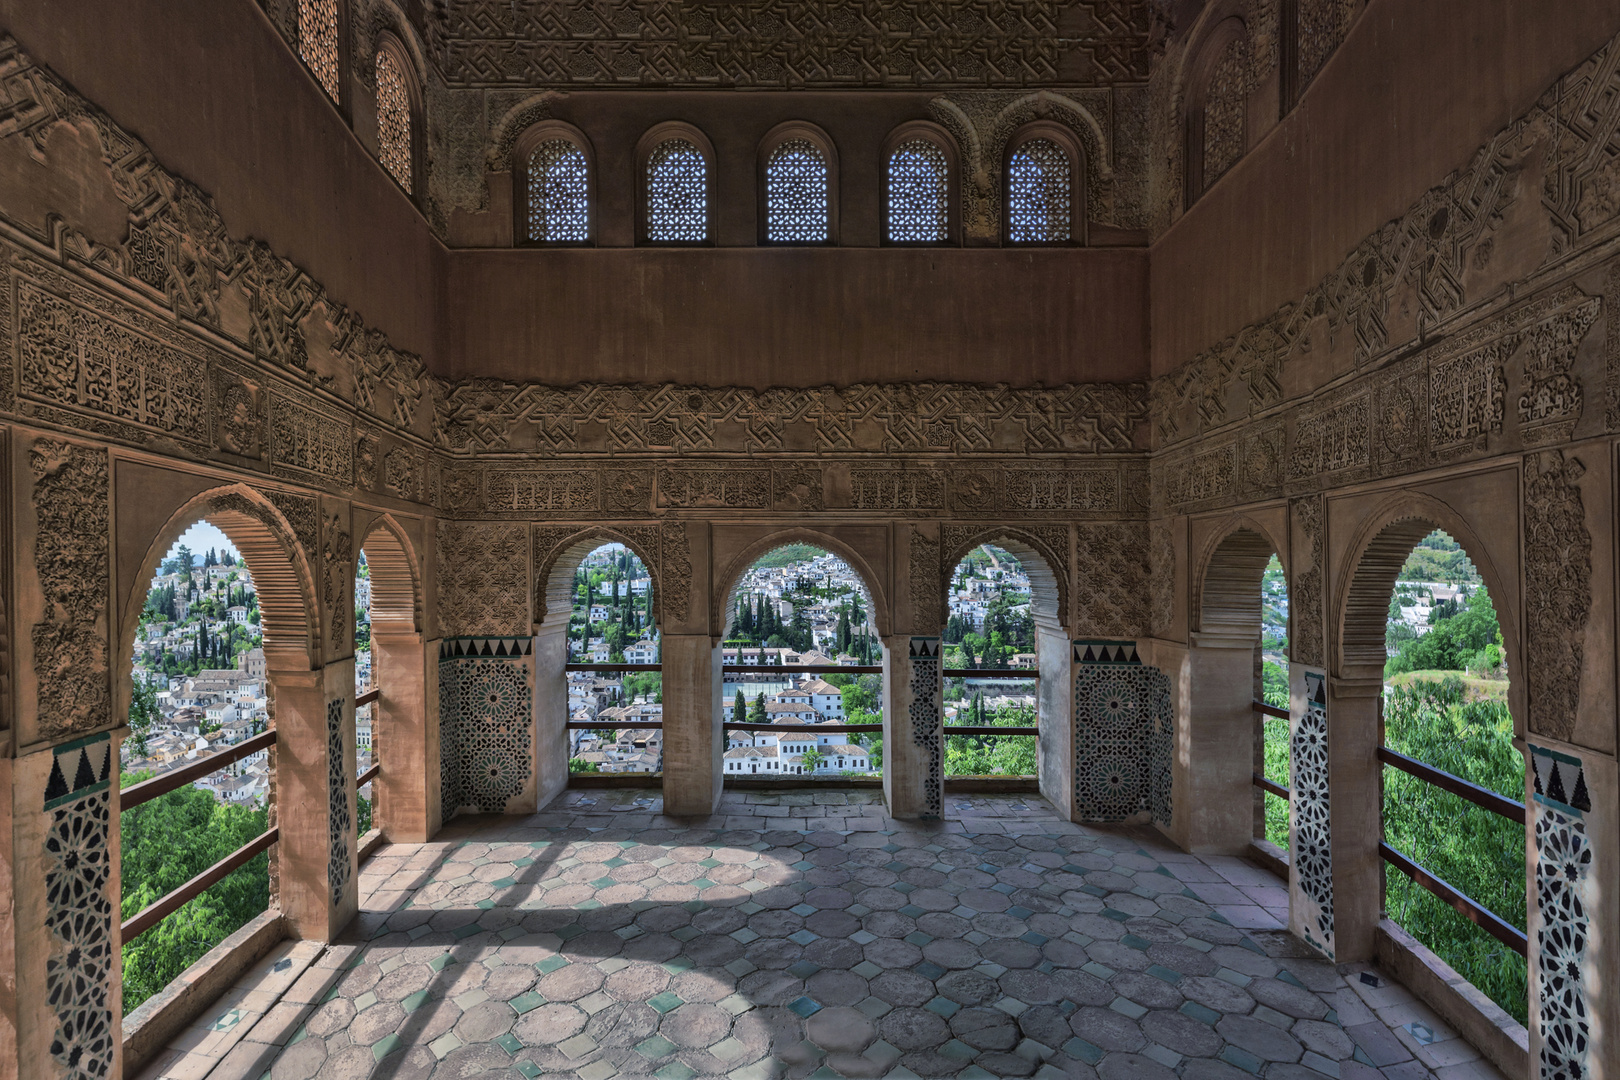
x: 1038, y: 194
x: 919, y: 193
x: 393, y: 119
x: 1563, y: 867
x: 677, y: 192
x: 318, y: 41
x: 796, y: 193
x: 559, y: 192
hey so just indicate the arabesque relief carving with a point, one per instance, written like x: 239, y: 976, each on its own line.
x: 70, y: 557
x: 337, y: 556
x: 1307, y: 637
x: 483, y: 578
x: 1557, y: 589
x: 1111, y: 594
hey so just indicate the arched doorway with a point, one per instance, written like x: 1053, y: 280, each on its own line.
x: 394, y: 749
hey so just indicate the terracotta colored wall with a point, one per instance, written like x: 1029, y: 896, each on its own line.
x: 1414, y: 90
x: 213, y: 90
x: 798, y: 317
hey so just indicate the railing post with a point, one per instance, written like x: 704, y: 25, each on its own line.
x: 913, y: 741
x: 694, y: 745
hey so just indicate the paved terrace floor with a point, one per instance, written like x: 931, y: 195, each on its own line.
x: 809, y: 934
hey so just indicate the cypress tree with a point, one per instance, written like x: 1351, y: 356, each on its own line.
x: 739, y: 709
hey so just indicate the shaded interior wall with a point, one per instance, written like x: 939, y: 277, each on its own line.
x: 797, y: 317
x: 1411, y: 94
x: 210, y: 86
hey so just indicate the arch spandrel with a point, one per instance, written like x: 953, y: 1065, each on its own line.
x: 876, y: 586
x: 271, y: 547
x: 1046, y: 565
x: 559, y: 550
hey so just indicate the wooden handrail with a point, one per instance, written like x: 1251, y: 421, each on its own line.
x: 1486, y: 920
x: 991, y: 673
x: 147, y: 790
x: 613, y: 667
x: 1479, y: 796
x: 651, y: 725
x: 368, y: 776
x: 1271, y: 786
x: 804, y: 669
x: 368, y: 697
x: 159, y: 909
x: 1270, y: 710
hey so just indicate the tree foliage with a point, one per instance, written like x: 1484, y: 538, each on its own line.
x: 165, y: 843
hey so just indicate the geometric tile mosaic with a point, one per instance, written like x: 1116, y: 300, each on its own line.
x: 926, y: 717
x: 1312, y: 840
x: 1124, y: 734
x: 486, y: 722
x: 339, y: 822
x: 79, y: 911
x: 1564, y: 904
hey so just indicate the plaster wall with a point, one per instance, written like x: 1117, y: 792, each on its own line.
x: 1411, y: 94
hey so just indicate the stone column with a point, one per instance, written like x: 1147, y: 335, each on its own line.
x: 913, y: 739
x: 59, y: 911
x: 1214, y: 760
x: 694, y: 745
x: 1573, y: 843
x: 315, y: 769
x: 1054, y: 656
x: 405, y: 734
x: 1335, y: 874
x: 551, y: 745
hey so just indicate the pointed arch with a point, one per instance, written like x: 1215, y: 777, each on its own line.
x: 731, y: 580
x: 1367, y: 581
x: 556, y: 564
x: 269, y: 544
x: 1046, y: 568
x: 396, y: 579
x: 1226, y: 600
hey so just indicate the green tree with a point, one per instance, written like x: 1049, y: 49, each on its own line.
x: 812, y: 760
x: 739, y: 709
x: 756, y: 714
x: 143, y: 713
x: 580, y: 765
x: 165, y: 843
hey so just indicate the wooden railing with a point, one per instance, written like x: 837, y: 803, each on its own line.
x: 1470, y: 909
x: 1271, y: 787
x: 147, y: 790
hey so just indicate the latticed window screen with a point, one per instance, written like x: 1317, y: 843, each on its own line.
x: 559, y: 192
x: 677, y: 192
x: 919, y: 192
x: 796, y: 193
x: 318, y: 41
x: 1038, y: 197
x: 393, y: 118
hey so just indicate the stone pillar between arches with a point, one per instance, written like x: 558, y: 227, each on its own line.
x: 315, y: 771
x: 1214, y: 757
x: 1055, y: 742
x: 551, y: 739
x: 405, y: 734
x: 913, y: 739
x: 694, y: 745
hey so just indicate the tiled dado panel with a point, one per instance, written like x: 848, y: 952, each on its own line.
x: 1124, y: 734
x: 1564, y: 903
x: 927, y: 717
x: 486, y: 722
x: 79, y: 910
x: 1311, y: 842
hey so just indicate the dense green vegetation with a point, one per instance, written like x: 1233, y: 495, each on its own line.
x: 991, y: 755
x: 165, y: 843
x: 1476, y: 851
x: 1438, y: 557
x: 1460, y: 639
x: 1005, y: 631
x: 787, y: 556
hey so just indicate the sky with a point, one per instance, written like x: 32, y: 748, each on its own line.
x: 199, y: 538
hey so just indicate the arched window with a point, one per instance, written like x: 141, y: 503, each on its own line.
x: 396, y: 128
x: 318, y: 42
x: 1217, y: 107
x: 674, y: 163
x: 1039, y: 194
x: 798, y: 189
x: 919, y: 185
x: 554, y: 186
